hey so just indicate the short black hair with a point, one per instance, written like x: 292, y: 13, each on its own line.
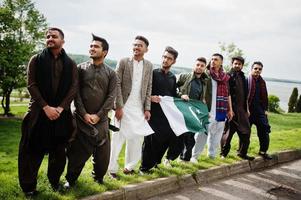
x: 172, y: 51
x: 56, y: 29
x: 202, y: 59
x: 257, y: 63
x: 142, y: 38
x: 219, y: 55
x: 104, y: 43
x: 239, y: 58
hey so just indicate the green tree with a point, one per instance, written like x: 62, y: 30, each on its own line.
x: 293, y: 100
x: 22, y: 29
x: 229, y: 51
x: 298, y: 106
x: 274, y: 104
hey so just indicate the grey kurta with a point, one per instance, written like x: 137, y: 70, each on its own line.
x: 96, y: 95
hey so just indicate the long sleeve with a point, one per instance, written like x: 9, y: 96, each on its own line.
x: 119, y: 73
x: 32, y: 84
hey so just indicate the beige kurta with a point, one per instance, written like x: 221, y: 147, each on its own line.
x: 133, y: 122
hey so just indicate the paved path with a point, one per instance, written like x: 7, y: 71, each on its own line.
x: 282, y: 182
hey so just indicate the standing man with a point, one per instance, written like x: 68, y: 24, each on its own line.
x: 132, y: 107
x: 194, y: 85
x: 220, y: 109
x: 95, y: 98
x: 240, y: 122
x: 155, y: 145
x: 47, y: 126
x: 258, y: 103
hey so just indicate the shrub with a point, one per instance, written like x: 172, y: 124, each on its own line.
x: 274, y: 104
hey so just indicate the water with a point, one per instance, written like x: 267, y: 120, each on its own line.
x: 283, y: 91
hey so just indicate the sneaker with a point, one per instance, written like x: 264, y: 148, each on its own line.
x: 193, y: 160
x: 68, y: 185
x: 31, y: 193
x: 167, y: 163
x: 113, y: 175
x: 265, y: 156
x: 246, y: 157
x: 128, y: 172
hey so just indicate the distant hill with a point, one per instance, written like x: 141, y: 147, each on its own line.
x: 175, y: 69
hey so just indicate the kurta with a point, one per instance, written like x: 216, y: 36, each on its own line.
x: 133, y: 122
x: 96, y: 95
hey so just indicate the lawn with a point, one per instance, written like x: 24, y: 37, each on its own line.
x: 286, y: 133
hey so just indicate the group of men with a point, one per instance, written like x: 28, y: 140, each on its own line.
x: 134, y: 91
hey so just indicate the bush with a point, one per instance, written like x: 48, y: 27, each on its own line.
x: 293, y: 100
x: 274, y: 104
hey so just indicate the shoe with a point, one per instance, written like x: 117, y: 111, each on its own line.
x: 193, y: 160
x: 31, y: 193
x: 265, y: 156
x: 68, y: 185
x: 113, y: 176
x: 99, y: 181
x: 167, y: 163
x: 246, y: 157
x: 128, y: 172
x: 144, y: 172
x: 113, y: 128
x: 223, y: 157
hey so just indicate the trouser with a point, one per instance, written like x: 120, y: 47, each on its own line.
x: 263, y: 129
x: 215, y: 132
x: 29, y: 163
x: 80, y: 151
x: 189, y: 142
x: 200, y: 142
x: 155, y: 146
x: 132, y: 151
x: 244, y: 142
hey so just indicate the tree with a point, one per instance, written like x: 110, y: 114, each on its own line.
x: 274, y: 104
x: 22, y: 29
x: 298, y: 106
x: 293, y: 100
x: 229, y: 51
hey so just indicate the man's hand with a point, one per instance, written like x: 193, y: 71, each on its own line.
x: 230, y: 115
x: 155, y: 99
x: 185, y: 97
x: 266, y: 113
x: 95, y: 119
x: 51, y: 112
x: 88, y: 118
x: 147, y: 115
x: 118, y: 113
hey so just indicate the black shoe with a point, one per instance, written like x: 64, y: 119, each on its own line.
x: 265, y: 156
x: 113, y: 128
x: 246, y: 157
x: 99, y: 181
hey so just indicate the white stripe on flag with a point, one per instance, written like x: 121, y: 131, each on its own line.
x: 175, y: 117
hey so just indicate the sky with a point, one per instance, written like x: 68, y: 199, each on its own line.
x: 268, y: 31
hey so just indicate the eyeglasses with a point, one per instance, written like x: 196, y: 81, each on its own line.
x: 257, y: 68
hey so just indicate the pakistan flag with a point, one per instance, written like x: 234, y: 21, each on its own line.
x: 185, y: 116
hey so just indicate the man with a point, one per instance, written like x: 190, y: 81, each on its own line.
x: 132, y: 107
x: 95, y: 98
x: 240, y: 122
x: 220, y: 109
x: 47, y: 126
x: 155, y: 145
x: 194, y: 85
x: 258, y: 103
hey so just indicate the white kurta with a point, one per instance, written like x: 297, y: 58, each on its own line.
x: 133, y: 122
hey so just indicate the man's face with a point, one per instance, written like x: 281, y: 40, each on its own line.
x: 216, y: 62
x: 199, y: 67
x: 237, y: 65
x: 256, y: 70
x: 167, y: 60
x: 54, y: 40
x: 96, y: 51
x: 139, y: 48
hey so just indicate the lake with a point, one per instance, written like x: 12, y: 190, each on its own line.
x: 282, y: 90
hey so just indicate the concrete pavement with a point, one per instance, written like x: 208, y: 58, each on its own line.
x: 203, y: 178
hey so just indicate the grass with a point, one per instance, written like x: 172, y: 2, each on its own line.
x: 286, y: 132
